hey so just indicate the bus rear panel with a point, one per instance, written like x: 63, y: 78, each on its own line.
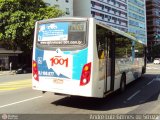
x: 60, y: 62
x: 81, y: 57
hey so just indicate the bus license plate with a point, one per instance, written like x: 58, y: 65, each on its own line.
x: 58, y: 81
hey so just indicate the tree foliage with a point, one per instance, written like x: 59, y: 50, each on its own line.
x: 17, y: 20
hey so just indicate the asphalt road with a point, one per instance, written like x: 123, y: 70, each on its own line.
x: 14, y: 77
x: 141, y: 97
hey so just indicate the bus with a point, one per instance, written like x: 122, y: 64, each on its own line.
x: 83, y: 57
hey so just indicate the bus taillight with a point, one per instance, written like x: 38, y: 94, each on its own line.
x: 35, y: 70
x: 86, y: 73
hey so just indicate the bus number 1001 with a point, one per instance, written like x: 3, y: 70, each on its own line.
x: 58, y: 60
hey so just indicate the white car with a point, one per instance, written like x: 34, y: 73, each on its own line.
x: 156, y: 61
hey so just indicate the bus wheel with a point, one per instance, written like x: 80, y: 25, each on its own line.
x: 123, y: 83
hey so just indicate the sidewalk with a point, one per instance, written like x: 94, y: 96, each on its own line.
x: 7, y: 72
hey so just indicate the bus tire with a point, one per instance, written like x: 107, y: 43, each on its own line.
x: 123, y: 83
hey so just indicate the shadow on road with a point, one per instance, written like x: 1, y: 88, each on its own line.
x: 147, y: 89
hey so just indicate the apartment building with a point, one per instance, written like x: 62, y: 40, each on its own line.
x: 153, y: 21
x: 126, y: 15
x: 64, y: 5
x: 137, y: 19
x: 153, y: 28
x: 110, y: 12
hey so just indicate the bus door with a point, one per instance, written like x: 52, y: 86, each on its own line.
x: 103, y: 44
x: 108, y: 64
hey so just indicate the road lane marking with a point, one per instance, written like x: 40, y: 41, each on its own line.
x: 150, y: 82
x: 20, y: 101
x: 16, y: 82
x: 157, y: 78
x: 133, y: 95
x: 7, y: 86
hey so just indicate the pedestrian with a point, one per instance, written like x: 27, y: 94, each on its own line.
x: 10, y: 66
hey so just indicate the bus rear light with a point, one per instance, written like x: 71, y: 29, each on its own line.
x: 86, y: 73
x: 35, y: 70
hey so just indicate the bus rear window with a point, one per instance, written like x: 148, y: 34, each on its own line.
x: 61, y: 33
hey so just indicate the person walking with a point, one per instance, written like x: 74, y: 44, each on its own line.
x: 10, y: 66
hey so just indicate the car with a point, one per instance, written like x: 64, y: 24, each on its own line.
x: 23, y: 69
x: 156, y: 61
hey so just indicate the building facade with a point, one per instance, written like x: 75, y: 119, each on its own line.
x: 126, y: 15
x: 7, y: 57
x: 153, y: 21
x: 110, y: 12
x: 153, y: 28
x: 64, y: 5
x: 137, y: 19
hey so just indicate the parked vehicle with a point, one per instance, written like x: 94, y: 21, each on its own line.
x: 156, y: 61
x: 24, y: 69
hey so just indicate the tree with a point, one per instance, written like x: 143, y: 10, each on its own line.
x: 17, y: 21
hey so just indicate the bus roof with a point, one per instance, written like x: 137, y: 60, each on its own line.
x: 63, y: 18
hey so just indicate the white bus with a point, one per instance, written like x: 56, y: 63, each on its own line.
x: 81, y: 57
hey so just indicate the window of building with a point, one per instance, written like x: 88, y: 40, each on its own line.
x: 93, y: 13
x: 102, y: 7
x: 93, y: 3
x: 57, y: 6
x: 102, y: 15
x: 47, y: 4
x: 67, y: 11
x: 67, y: 1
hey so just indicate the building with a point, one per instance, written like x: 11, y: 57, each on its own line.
x: 110, y: 12
x: 126, y: 15
x: 64, y: 5
x: 153, y: 23
x: 137, y: 19
x: 7, y: 57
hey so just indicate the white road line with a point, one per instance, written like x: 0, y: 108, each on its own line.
x: 150, y: 82
x: 20, y: 101
x: 157, y: 78
x: 133, y: 95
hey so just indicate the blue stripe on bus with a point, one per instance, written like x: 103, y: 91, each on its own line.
x: 42, y: 68
x: 79, y: 60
